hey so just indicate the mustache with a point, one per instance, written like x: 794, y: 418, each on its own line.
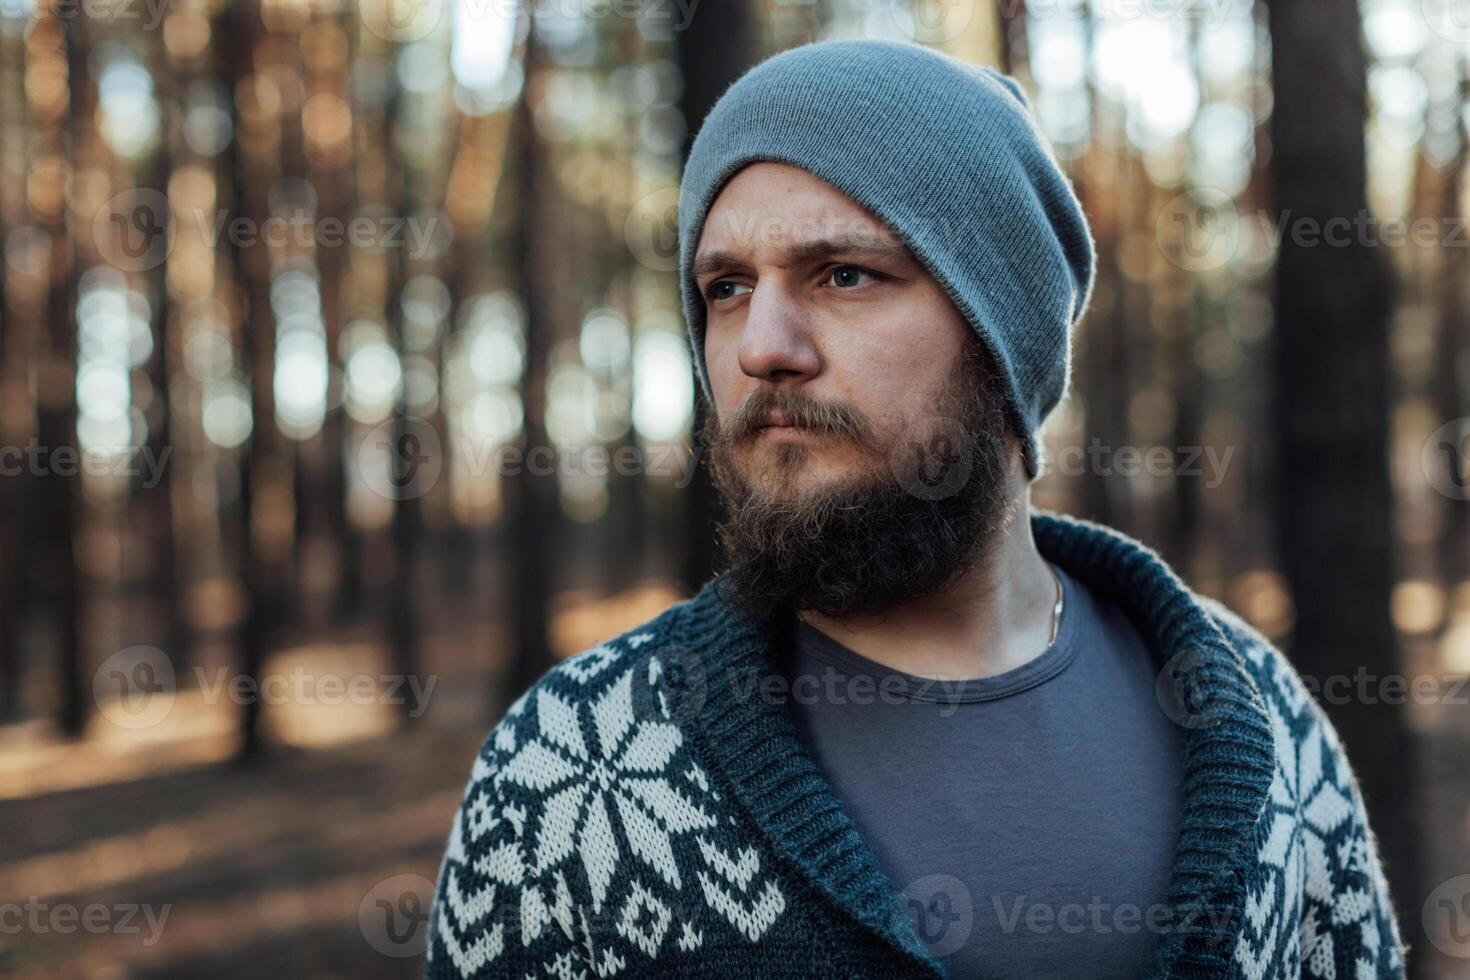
x: 833, y: 418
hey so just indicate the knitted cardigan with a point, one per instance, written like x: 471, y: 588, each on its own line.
x: 646, y: 809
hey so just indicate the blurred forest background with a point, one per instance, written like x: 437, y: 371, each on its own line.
x: 343, y: 388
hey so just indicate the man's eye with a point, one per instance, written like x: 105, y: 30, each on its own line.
x: 848, y: 276
x: 724, y: 289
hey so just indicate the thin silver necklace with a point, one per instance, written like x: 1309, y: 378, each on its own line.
x: 1056, y: 610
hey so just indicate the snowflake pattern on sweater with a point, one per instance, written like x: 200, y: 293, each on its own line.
x: 609, y: 829
x: 586, y: 789
x: 1318, y: 868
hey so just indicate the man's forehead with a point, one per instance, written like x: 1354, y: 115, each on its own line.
x: 769, y: 205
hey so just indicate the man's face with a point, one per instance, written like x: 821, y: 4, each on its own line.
x: 857, y: 435
x: 815, y: 311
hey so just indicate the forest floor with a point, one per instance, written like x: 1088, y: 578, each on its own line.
x: 156, y: 855
x: 148, y: 851
x: 218, y: 870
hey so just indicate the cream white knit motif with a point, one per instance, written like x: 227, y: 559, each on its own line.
x: 751, y: 917
x: 1318, y: 881
x: 572, y: 825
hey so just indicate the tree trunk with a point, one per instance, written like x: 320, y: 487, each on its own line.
x: 531, y: 493
x: 715, y: 49
x: 1335, y: 506
x: 239, y: 23
x: 1449, y: 296
x: 157, y: 501
x: 57, y: 423
x: 404, y: 455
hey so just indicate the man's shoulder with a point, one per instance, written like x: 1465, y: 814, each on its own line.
x: 1300, y: 726
x: 583, y: 674
x: 533, y: 880
x: 639, y: 676
x: 1278, y: 682
x: 1345, y: 911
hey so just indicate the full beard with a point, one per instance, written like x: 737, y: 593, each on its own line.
x: 916, y: 522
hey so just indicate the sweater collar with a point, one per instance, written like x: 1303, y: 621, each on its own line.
x: 1228, y: 761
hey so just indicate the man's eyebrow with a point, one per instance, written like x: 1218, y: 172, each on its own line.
x: 718, y: 259
x: 714, y: 261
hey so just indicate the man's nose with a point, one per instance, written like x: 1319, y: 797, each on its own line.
x: 776, y: 343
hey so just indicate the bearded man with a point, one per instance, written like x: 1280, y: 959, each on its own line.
x: 914, y: 728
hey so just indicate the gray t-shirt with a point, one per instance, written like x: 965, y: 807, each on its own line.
x: 1027, y: 820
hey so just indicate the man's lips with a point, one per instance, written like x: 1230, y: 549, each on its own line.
x: 780, y: 425
x: 775, y: 419
x: 775, y: 423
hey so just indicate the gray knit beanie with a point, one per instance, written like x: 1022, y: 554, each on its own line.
x: 948, y: 157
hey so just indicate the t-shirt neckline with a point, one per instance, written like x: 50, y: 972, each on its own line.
x: 1036, y: 671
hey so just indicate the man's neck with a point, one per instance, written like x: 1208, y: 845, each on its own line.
x: 996, y: 619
